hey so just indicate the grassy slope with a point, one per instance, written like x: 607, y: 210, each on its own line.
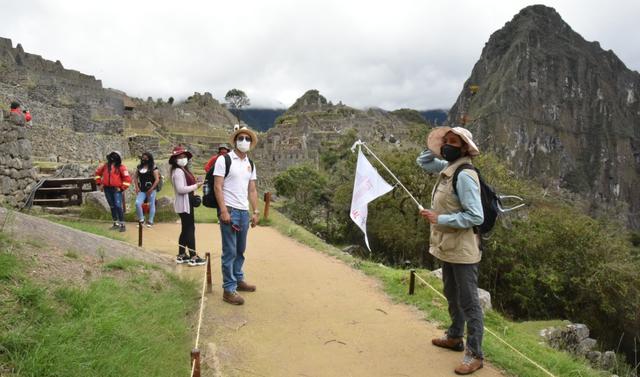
x: 523, y: 336
x: 129, y: 323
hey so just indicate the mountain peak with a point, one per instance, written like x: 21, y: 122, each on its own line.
x: 312, y: 100
x: 538, y: 95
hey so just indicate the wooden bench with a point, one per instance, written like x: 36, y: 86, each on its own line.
x: 63, y: 192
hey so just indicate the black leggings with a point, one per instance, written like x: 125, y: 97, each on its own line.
x: 188, y: 234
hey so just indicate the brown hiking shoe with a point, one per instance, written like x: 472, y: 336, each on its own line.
x: 232, y: 298
x: 456, y: 344
x: 244, y: 287
x: 469, y: 364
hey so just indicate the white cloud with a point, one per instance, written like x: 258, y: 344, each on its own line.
x: 365, y: 53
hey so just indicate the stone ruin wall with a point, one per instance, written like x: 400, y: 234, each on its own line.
x: 74, y: 118
x: 17, y: 175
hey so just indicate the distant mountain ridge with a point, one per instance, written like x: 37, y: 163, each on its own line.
x: 558, y: 109
x: 312, y: 120
x: 260, y: 119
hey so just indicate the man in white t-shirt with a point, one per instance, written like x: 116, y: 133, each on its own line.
x: 234, y: 192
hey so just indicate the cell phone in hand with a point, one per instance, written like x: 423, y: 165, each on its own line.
x: 235, y: 227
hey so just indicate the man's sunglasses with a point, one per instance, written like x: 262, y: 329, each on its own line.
x: 243, y: 138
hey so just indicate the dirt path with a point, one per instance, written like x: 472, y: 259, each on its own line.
x: 312, y: 315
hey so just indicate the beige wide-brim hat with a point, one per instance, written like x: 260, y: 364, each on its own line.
x: 244, y: 130
x: 435, y: 140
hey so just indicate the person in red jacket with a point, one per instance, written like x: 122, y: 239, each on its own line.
x: 113, y: 178
x: 18, y: 116
x: 27, y: 118
x: 222, y: 149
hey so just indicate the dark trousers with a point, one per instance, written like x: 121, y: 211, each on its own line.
x: 187, y: 234
x: 114, y: 198
x: 461, y: 290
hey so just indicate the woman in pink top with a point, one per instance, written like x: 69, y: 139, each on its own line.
x: 184, y: 186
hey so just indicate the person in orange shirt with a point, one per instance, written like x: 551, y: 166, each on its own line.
x: 113, y: 178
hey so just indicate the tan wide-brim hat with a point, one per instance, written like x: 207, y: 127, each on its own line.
x: 244, y: 130
x: 435, y: 140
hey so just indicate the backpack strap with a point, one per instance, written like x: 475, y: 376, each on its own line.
x: 227, y: 164
x: 455, y: 175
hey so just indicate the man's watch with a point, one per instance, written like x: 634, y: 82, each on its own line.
x: 256, y: 212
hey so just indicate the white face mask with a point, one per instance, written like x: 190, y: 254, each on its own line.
x: 182, y: 162
x: 243, y: 145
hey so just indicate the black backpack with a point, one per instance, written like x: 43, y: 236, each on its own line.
x: 208, y: 193
x: 490, y: 200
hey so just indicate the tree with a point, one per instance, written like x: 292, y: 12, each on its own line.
x: 236, y: 99
x: 170, y: 101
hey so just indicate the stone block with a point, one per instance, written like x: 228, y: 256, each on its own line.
x: 608, y: 360
x: 585, y: 346
x: 580, y: 330
x: 164, y: 203
x: 485, y: 300
x: 594, y: 357
x: 97, y: 199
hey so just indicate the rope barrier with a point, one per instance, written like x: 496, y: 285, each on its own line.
x: 491, y: 332
x: 204, y: 287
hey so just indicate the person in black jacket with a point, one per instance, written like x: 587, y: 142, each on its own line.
x: 146, y: 178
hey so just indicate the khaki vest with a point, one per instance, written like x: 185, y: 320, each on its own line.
x: 448, y: 244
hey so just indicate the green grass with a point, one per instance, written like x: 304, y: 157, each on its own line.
x: 71, y: 254
x: 134, y: 325
x: 99, y: 228
x: 523, y: 336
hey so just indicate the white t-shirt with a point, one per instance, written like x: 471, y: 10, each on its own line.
x: 235, y: 188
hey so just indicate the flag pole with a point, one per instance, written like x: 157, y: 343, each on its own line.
x: 359, y: 143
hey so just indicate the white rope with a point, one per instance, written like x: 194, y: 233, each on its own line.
x: 359, y: 142
x: 204, y: 287
x: 491, y: 332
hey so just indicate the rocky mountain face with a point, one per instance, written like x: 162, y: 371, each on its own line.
x: 299, y: 133
x: 558, y: 109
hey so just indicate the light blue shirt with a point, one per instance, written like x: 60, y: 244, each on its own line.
x: 468, y: 193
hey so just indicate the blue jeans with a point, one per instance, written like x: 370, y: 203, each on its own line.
x: 152, y: 205
x: 114, y: 198
x: 234, y: 242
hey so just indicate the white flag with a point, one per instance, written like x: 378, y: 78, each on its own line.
x: 368, y: 186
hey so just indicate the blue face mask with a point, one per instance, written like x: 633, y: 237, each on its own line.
x: 450, y: 152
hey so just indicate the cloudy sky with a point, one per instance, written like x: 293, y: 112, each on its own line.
x: 387, y: 54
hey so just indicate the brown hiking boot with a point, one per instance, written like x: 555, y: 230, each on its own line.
x: 456, y: 344
x: 469, y: 364
x: 244, y: 287
x: 232, y: 298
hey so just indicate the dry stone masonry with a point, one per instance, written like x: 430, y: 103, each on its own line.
x: 17, y: 176
x: 574, y: 338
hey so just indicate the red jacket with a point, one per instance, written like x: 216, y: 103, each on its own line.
x: 27, y: 115
x: 113, y: 177
x: 212, y: 161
